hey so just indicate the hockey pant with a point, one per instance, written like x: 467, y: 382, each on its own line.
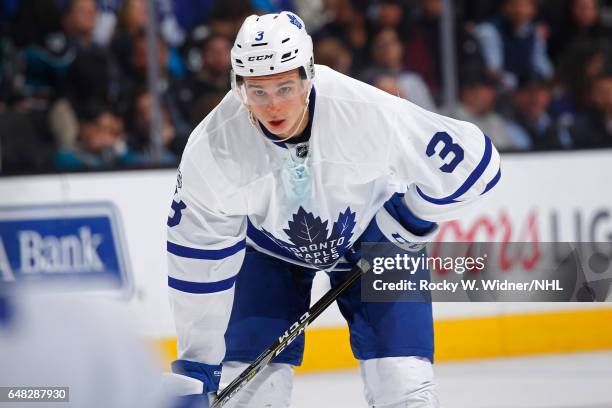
x: 393, y: 342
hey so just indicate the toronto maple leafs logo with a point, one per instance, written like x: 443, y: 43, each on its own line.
x: 311, y: 241
x: 293, y: 20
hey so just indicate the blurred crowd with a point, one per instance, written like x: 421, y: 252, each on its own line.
x: 74, y: 95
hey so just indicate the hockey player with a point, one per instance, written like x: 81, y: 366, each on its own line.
x: 294, y: 168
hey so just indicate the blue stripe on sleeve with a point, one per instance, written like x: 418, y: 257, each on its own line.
x: 213, y: 254
x: 201, y: 287
x: 402, y: 214
x: 493, y: 182
x: 471, y: 180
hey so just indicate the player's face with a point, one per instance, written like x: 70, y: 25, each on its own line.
x: 277, y: 101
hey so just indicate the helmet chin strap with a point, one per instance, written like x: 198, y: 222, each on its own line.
x: 257, y: 126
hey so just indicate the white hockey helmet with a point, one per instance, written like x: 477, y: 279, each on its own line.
x: 272, y: 44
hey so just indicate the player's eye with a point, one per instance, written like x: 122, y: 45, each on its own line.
x: 259, y: 92
x: 285, y: 91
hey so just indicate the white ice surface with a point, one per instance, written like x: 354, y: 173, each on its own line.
x: 580, y: 380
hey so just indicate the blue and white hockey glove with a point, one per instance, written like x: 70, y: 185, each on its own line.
x: 401, y: 227
x: 209, y: 375
x: 395, y: 223
x: 191, y: 383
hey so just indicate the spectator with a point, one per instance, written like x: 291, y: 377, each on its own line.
x: 582, y: 50
x: 34, y: 20
x: 422, y: 53
x: 387, y: 54
x: 583, y: 26
x: 387, y: 82
x: 131, y: 17
x: 477, y: 105
x: 211, y: 76
x: 333, y: 53
x: 131, y: 24
x: 348, y: 26
x: 215, y: 71
x: 94, y: 78
x: 594, y: 127
x: 204, y: 104
x: 227, y: 16
x: 135, y: 52
x: 139, y: 126
x: 132, y: 27
x: 388, y: 14
x: 513, y: 45
x: 579, y: 67
x: 132, y: 51
x: 101, y: 143
x: 45, y: 53
x: 531, y: 119
x: 79, y: 22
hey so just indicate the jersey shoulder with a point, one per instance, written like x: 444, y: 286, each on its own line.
x: 374, y: 106
x: 365, y: 120
x: 339, y: 87
x: 225, y: 148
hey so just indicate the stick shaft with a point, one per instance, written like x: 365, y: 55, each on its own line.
x: 290, y: 334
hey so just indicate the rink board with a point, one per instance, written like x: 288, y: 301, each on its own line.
x: 541, y: 197
x: 328, y: 348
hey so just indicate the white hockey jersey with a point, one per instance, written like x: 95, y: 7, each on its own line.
x: 236, y: 188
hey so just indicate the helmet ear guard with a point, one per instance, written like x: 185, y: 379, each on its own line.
x: 236, y: 82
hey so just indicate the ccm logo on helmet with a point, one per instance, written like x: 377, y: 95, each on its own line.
x: 261, y: 57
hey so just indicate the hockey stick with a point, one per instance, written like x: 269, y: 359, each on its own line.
x: 290, y: 334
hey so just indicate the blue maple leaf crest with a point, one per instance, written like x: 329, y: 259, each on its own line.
x: 310, y: 240
x: 293, y: 20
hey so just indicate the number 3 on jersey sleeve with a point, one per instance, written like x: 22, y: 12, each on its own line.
x: 175, y: 220
x: 448, y: 149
